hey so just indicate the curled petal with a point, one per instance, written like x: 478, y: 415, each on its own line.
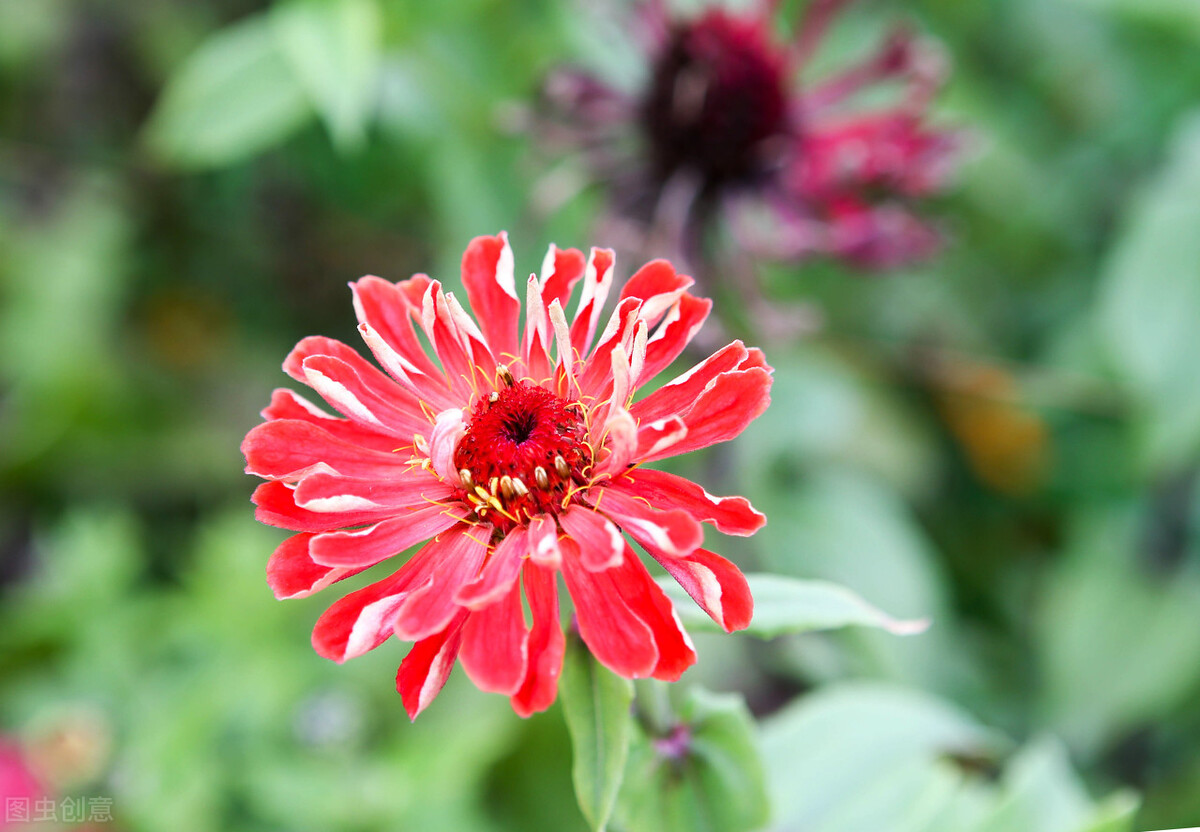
x: 323, y: 492
x: 543, y: 542
x: 597, y: 280
x: 287, y: 404
x: 364, y: 619
x: 447, y: 432
x: 655, y: 437
x: 715, y: 584
x: 425, y: 669
x: 647, y: 600
x: 676, y: 331
x: 730, y: 403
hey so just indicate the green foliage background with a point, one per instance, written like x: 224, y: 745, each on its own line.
x: 1005, y: 440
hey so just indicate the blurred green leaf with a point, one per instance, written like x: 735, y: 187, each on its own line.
x: 334, y: 48
x: 785, y: 605
x: 1115, y: 646
x: 705, y: 774
x: 1148, y: 302
x: 232, y: 98
x: 1176, y: 15
x: 596, y: 705
x: 847, y: 754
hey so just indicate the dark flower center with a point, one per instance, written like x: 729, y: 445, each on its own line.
x: 523, y: 449
x: 717, y: 102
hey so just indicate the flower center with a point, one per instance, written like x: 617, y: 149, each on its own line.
x: 523, y: 452
x: 717, y: 99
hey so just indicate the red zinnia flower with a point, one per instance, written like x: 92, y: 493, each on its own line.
x: 725, y: 124
x: 515, y: 454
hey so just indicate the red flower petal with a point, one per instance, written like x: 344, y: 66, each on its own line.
x: 363, y: 399
x: 658, y: 286
x: 366, y: 547
x: 288, y: 448
x: 495, y: 645
x: 425, y: 669
x: 291, y: 573
x: 715, y: 584
x: 546, y: 643
x: 674, y: 531
x: 430, y: 607
x: 679, y: 395
x: 647, y: 600
x: 600, y: 543
x: 722, y: 411
x: 615, y: 634
x: 597, y: 280
x: 560, y: 272
x: 287, y: 404
x: 487, y: 275
x: 323, y: 492
x: 365, y: 619
x: 675, y: 332
x: 277, y: 507
x: 731, y: 515
x: 499, y: 573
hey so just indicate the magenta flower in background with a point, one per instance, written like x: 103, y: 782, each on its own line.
x: 729, y: 123
x: 513, y: 453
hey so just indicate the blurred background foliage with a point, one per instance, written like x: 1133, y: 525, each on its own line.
x: 1005, y: 439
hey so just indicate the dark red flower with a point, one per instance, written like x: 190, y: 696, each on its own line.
x: 516, y: 453
x: 725, y: 124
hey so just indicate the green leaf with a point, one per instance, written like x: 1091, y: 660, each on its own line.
x: 235, y: 96
x: 1149, y: 294
x: 334, y: 48
x: 708, y: 775
x: 784, y: 605
x: 596, y: 705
